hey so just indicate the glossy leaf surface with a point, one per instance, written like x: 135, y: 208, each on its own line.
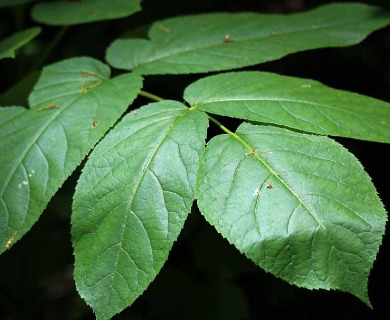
x: 296, y: 103
x: 222, y: 41
x: 131, y: 202
x: 71, y: 107
x: 300, y: 206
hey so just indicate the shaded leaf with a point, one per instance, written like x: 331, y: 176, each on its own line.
x: 296, y: 103
x: 221, y: 41
x: 73, y: 104
x: 9, y: 45
x: 131, y: 202
x: 300, y: 206
x: 83, y: 11
x: 18, y: 94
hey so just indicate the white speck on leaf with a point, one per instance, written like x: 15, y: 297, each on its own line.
x: 256, y: 192
x: 23, y: 183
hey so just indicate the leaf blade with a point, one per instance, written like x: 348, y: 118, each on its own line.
x: 64, y: 13
x: 9, y: 45
x: 222, y: 41
x: 293, y: 207
x: 301, y: 104
x: 131, y: 202
x: 42, y: 146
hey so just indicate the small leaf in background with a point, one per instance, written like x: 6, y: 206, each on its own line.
x: 9, y: 45
x: 72, y: 106
x: 300, y: 206
x: 296, y: 103
x: 221, y: 41
x: 131, y: 202
x: 18, y: 93
x: 63, y: 13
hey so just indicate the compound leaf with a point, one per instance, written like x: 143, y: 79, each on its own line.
x: 221, y: 41
x: 300, y: 206
x: 296, y: 103
x: 83, y: 11
x: 71, y: 107
x: 131, y: 202
x: 9, y: 45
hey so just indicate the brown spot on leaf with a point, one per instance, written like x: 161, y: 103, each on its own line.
x: 50, y: 106
x: 251, y: 153
x: 10, y: 240
x: 164, y: 28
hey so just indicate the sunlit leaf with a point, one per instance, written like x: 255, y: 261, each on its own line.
x: 221, y: 41
x: 83, y: 11
x: 9, y: 45
x: 296, y: 103
x: 131, y: 202
x: 300, y: 206
x: 73, y: 104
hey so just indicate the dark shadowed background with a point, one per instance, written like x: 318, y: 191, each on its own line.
x: 205, y: 277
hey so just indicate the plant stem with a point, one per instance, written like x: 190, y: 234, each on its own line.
x: 220, y: 125
x: 150, y: 96
x: 223, y: 128
x: 50, y: 47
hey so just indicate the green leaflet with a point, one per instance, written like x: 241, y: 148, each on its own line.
x: 131, y: 202
x: 296, y: 103
x: 9, y: 45
x: 221, y: 41
x: 73, y: 104
x: 300, y: 206
x: 83, y: 11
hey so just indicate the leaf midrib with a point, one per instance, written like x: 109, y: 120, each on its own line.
x: 265, y: 36
x: 269, y: 168
x: 133, y: 194
x: 304, y: 102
